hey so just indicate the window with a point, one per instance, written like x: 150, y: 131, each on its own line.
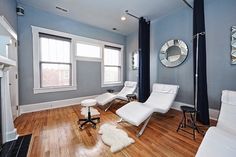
x: 53, y: 61
x: 55, y: 54
x: 55, y: 65
x: 88, y: 50
x: 112, y: 65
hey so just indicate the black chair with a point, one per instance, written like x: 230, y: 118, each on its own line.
x: 190, y: 123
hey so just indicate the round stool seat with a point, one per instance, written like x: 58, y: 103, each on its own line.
x: 88, y: 102
x: 188, y: 109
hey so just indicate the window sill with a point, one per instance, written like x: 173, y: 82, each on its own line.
x: 89, y: 59
x: 53, y: 89
x: 113, y: 84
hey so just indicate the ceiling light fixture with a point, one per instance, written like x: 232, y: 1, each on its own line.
x: 123, y: 18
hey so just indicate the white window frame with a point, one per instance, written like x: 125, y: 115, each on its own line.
x: 101, y: 44
x: 121, y: 65
x: 91, y: 42
x: 36, y: 59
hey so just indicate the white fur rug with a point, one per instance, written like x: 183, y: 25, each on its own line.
x: 117, y: 139
x: 93, y: 111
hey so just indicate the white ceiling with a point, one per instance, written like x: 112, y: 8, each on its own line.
x: 106, y: 14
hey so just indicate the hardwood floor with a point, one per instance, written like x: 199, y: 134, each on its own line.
x: 55, y: 133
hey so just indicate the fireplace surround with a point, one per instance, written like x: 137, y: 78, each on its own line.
x: 7, y: 129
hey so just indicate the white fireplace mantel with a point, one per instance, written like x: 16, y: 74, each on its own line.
x: 7, y: 33
x: 5, y: 62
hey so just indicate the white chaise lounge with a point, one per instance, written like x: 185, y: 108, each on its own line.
x: 220, y: 141
x: 129, y: 88
x: 160, y: 101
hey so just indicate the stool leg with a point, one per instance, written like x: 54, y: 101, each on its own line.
x: 181, y: 122
x: 185, y: 120
x: 193, y: 125
x: 89, y: 113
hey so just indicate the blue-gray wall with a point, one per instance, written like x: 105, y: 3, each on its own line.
x: 131, y: 46
x: 88, y: 73
x: 8, y: 9
x: 220, y: 16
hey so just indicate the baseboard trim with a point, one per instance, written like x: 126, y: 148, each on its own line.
x: 68, y: 102
x: 12, y: 135
x: 213, y: 112
x: 52, y: 104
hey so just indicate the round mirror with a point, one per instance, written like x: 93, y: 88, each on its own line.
x: 173, y: 53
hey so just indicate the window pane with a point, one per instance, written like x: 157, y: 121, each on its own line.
x: 111, y: 56
x: 111, y: 74
x: 85, y: 50
x: 54, y: 50
x: 54, y: 75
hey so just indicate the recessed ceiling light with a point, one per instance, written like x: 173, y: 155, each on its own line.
x: 123, y: 18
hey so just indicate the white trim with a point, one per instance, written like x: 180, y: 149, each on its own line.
x: 114, y: 84
x: 69, y: 102
x: 12, y: 135
x: 8, y: 27
x: 52, y: 104
x: 91, y: 43
x: 53, y: 89
x: 36, y: 57
x: 214, y: 114
x: 6, y: 61
x: 89, y: 59
x: 121, y: 65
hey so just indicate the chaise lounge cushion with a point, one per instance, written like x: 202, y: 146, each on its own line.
x: 217, y: 143
x: 160, y: 102
x: 227, y: 117
x: 105, y: 98
x: 134, y: 113
x: 129, y: 88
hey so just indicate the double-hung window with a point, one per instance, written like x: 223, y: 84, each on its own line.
x: 53, y: 65
x: 112, y: 66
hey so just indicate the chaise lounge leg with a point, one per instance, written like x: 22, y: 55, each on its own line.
x: 119, y: 121
x: 144, y: 126
x: 108, y: 106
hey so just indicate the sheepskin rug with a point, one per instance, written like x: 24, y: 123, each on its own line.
x: 93, y: 111
x: 117, y: 139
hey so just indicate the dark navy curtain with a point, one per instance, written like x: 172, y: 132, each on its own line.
x: 144, y: 60
x: 199, y: 28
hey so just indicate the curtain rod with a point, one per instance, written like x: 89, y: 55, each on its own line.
x: 127, y: 12
x: 187, y: 4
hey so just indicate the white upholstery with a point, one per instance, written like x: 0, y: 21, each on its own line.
x: 129, y: 88
x: 227, y: 118
x: 134, y: 112
x: 217, y: 143
x: 105, y: 98
x: 162, y: 97
x: 221, y: 140
x: 160, y: 100
x: 88, y: 102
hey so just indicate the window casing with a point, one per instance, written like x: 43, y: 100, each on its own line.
x: 112, y: 66
x: 104, y: 52
x: 54, y: 66
x: 88, y: 51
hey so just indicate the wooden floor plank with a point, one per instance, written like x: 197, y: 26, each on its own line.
x: 55, y: 133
